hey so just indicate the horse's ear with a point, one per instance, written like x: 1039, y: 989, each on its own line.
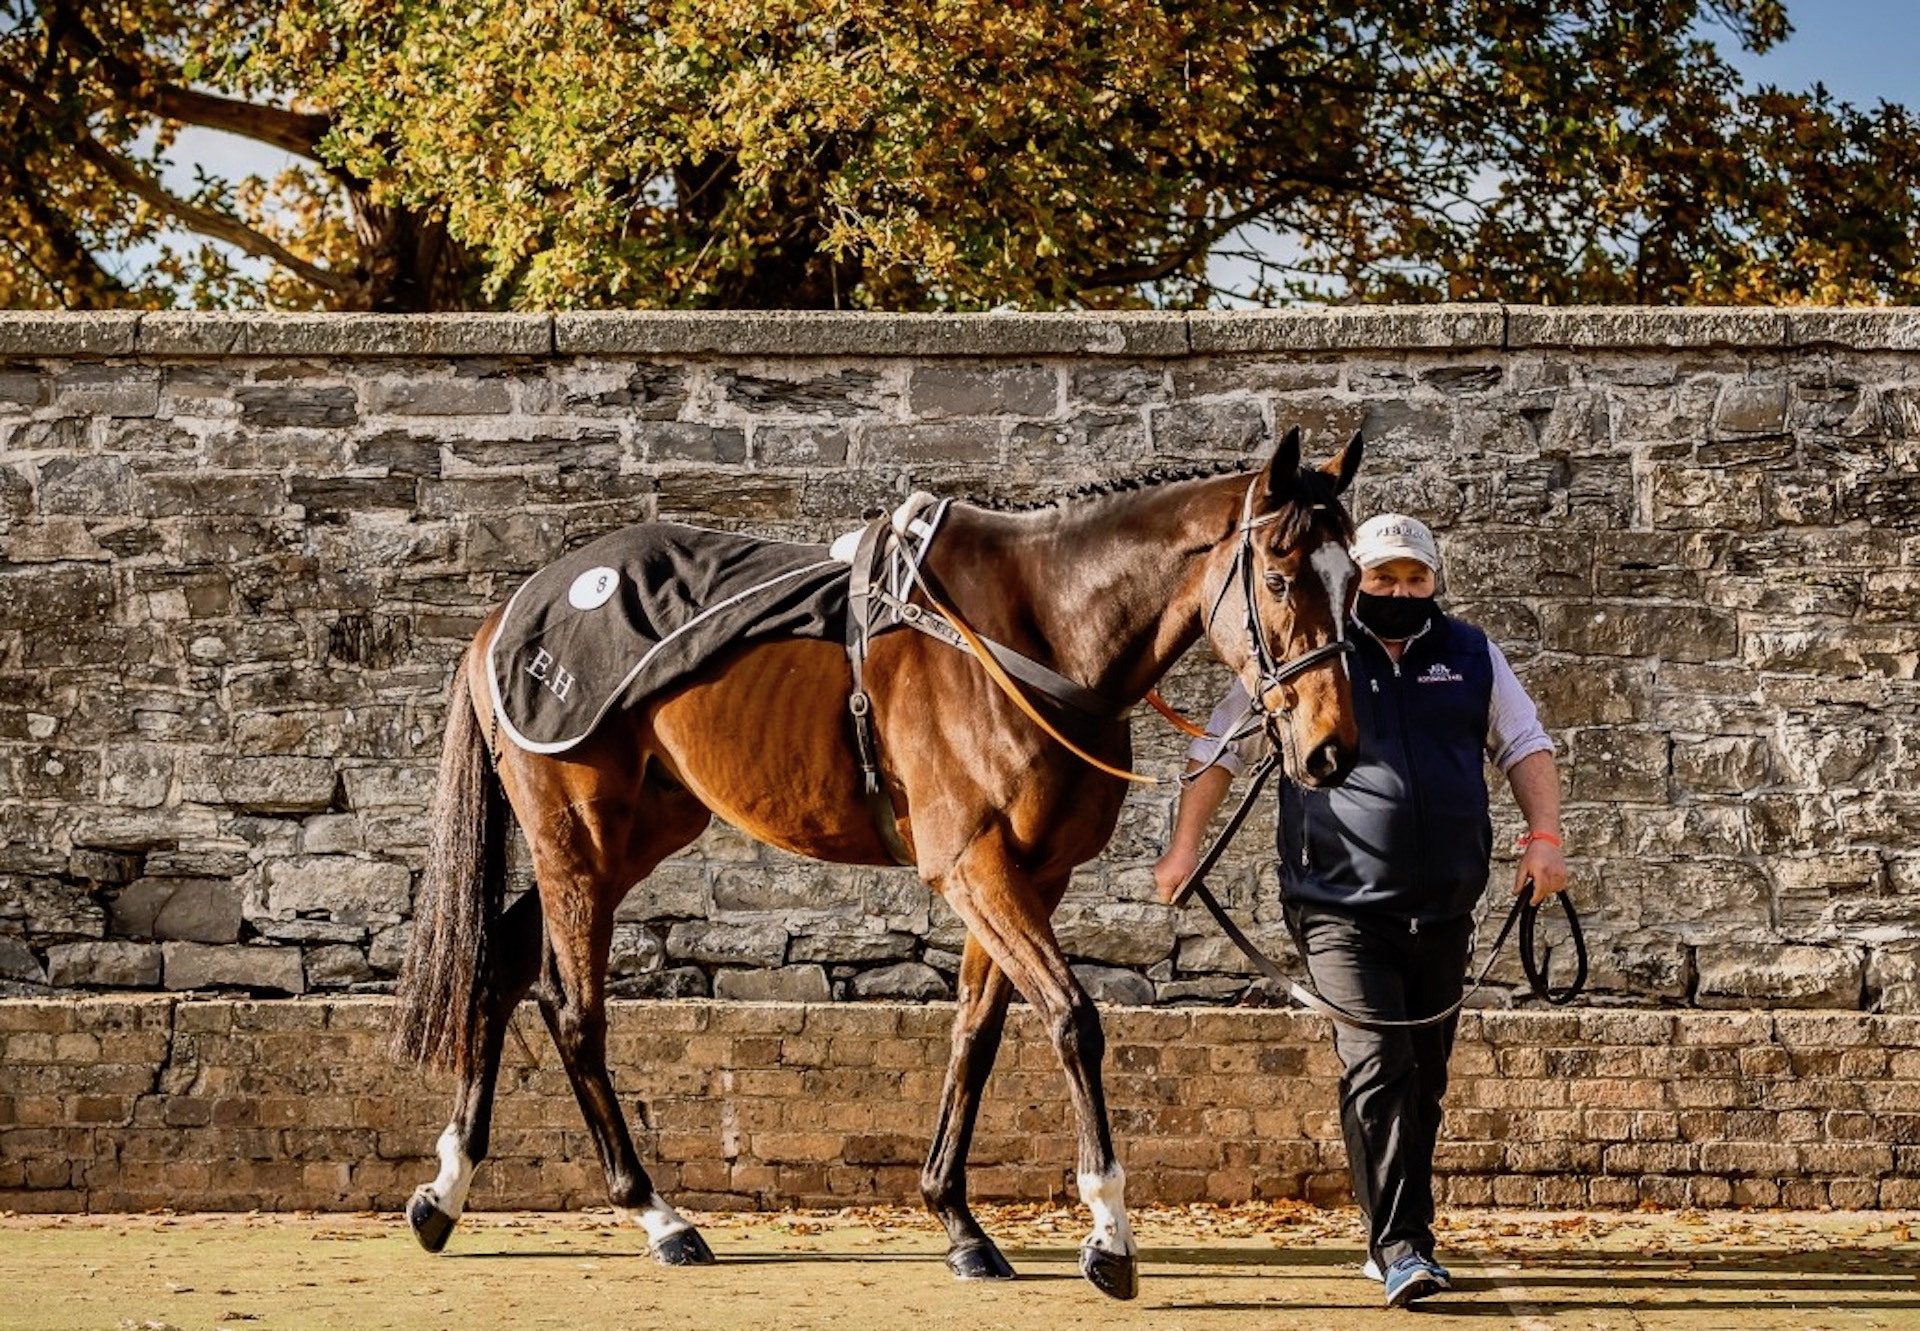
x: 1342, y: 466
x: 1283, y: 472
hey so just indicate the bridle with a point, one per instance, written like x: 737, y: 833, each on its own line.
x: 1272, y: 673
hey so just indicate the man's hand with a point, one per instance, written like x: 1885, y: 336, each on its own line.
x: 1197, y: 802
x: 1546, y: 866
x: 1171, y: 870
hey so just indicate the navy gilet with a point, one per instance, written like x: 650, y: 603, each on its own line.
x: 1408, y: 833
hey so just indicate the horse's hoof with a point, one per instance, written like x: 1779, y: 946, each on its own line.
x: 978, y: 1261
x: 1115, y: 1276
x: 432, y: 1226
x: 683, y: 1247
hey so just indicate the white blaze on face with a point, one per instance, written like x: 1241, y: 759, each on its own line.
x: 1105, y: 1196
x: 658, y: 1219
x: 449, y: 1189
x: 1336, y: 569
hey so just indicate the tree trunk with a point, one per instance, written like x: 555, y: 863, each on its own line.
x: 408, y: 263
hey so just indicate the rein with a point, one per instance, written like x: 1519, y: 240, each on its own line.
x: 998, y: 674
x: 1177, y: 721
x: 1524, y: 913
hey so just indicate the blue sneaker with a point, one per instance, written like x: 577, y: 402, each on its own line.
x: 1371, y: 1270
x: 1411, y: 1278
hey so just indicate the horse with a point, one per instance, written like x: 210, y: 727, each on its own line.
x: 1109, y: 586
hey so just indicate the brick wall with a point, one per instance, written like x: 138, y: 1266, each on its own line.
x: 238, y: 553
x: 128, y: 1104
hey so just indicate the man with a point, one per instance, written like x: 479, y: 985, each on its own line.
x: 1380, y: 875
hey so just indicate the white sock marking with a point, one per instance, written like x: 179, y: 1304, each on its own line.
x: 1105, y: 1196
x: 658, y: 1219
x: 456, y: 1175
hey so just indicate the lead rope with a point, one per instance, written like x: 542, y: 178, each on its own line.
x: 1524, y: 913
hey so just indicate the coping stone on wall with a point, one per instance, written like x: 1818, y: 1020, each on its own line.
x: 1613, y: 326
x: 1349, y: 328
x: 265, y: 334
x: 1859, y: 329
x: 68, y: 332
x: 830, y: 333
x: 816, y: 333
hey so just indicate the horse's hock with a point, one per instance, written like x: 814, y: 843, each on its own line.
x: 238, y: 555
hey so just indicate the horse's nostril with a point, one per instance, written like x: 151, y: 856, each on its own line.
x: 1327, y: 764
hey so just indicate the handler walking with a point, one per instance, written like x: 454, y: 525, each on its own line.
x: 1380, y: 875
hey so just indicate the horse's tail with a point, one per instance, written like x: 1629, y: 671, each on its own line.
x: 444, y: 984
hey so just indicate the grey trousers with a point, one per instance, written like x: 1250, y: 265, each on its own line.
x: 1390, y: 1093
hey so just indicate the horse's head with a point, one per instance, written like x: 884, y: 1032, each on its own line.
x: 1279, y: 592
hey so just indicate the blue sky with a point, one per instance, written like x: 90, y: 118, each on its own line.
x: 1863, y: 50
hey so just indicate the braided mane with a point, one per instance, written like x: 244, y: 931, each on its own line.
x: 1145, y: 480
x: 1316, y: 495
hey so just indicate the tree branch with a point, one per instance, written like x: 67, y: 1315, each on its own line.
x: 221, y: 226
x: 1152, y: 270
x: 293, y: 131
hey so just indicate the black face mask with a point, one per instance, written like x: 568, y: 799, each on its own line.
x: 1393, y: 617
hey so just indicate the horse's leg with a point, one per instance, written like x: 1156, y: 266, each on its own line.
x: 978, y: 1021
x: 516, y: 950
x: 579, y: 889
x: 575, y: 1012
x: 1010, y: 915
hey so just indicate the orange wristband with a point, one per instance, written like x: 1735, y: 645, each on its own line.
x: 1525, y: 839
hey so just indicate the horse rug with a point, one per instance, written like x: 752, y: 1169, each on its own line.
x: 642, y: 609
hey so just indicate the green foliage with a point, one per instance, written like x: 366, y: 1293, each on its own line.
x: 960, y: 154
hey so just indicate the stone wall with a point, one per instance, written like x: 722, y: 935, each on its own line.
x: 128, y: 1104
x: 238, y: 553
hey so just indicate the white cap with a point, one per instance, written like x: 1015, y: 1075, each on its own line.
x: 1394, y: 536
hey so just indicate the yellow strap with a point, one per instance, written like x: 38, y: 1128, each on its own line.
x: 1007, y: 686
x: 1179, y: 722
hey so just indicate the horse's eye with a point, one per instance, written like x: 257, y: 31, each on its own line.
x: 1277, y: 583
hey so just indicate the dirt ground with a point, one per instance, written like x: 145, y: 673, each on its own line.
x: 1265, y: 1266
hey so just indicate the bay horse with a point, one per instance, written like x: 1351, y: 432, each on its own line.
x: 1108, y: 588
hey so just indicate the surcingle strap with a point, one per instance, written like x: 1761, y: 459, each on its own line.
x: 867, y: 559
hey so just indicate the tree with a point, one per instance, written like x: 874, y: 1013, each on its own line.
x: 910, y: 154
x: 80, y: 82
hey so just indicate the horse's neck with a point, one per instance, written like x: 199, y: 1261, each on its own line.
x: 1107, y: 590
